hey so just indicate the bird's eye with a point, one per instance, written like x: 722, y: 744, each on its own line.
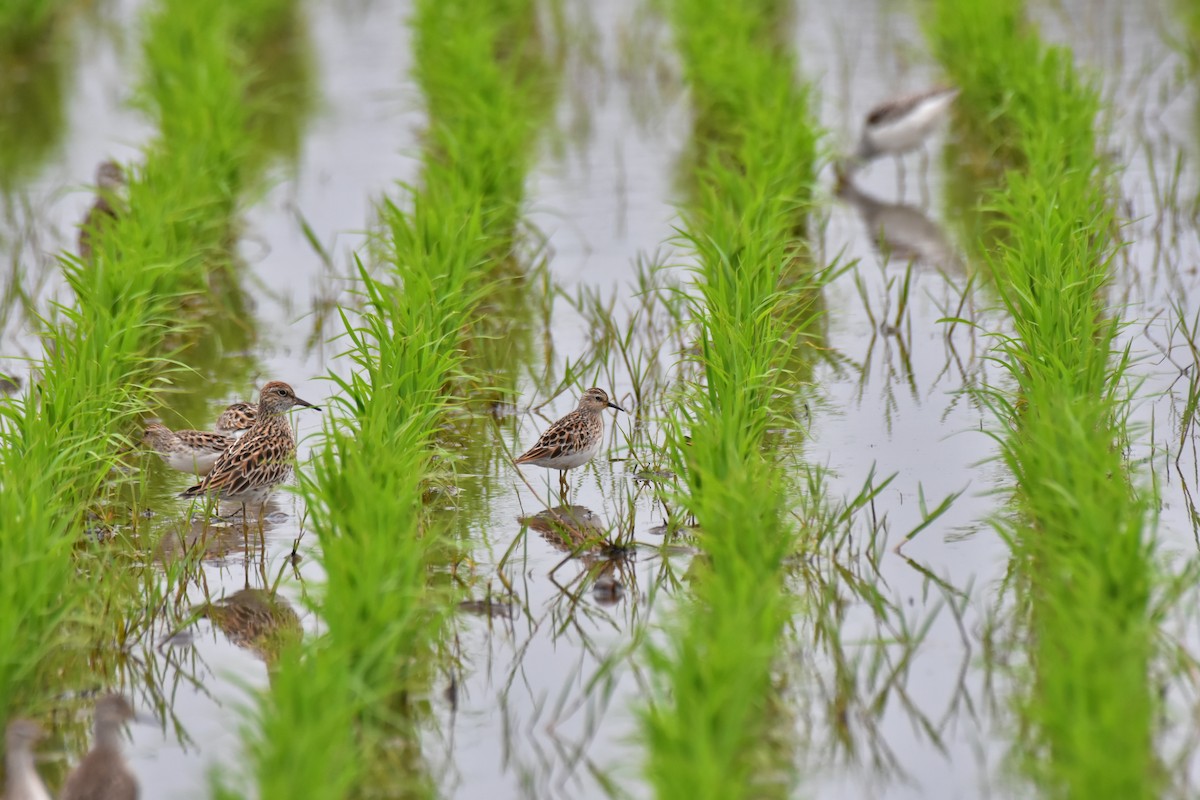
x: 281, y: 391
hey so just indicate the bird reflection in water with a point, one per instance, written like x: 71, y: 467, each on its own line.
x: 256, y: 619
x: 578, y: 531
x: 901, y: 231
x: 573, y: 529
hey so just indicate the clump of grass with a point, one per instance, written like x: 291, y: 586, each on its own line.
x: 342, y: 720
x: 1081, y: 541
x: 107, y: 351
x: 209, y: 145
x: 1188, y: 12
x: 25, y: 20
x: 710, y: 731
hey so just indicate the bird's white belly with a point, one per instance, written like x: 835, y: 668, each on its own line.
x: 573, y: 460
x: 185, y: 461
x: 907, y: 132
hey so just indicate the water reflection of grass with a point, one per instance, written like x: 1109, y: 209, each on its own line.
x: 34, y: 60
x: 342, y: 721
x: 280, y: 95
x: 1081, y: 542
x: 717, y: 727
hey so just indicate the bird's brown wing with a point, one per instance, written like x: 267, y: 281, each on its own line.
x: 554, y: 442
x: 239, y: 417
x: 204, y: 440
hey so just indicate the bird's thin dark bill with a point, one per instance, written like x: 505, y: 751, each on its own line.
x: 617, y: 407
x: 306, y: 404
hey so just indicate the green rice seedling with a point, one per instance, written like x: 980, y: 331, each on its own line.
x: 180, y: 36
x: 1187, y: 38
x: 106, y: 353
x: 342, y: 719
x: 716, y: 726
x: 1081, y: 541
x: 364, y: 500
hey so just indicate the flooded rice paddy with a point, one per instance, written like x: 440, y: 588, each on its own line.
x: 900, y: 667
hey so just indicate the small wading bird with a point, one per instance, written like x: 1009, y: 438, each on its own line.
x: 21, y: 780
x: 573, y: 440
x: 260, y: 460
x: 903, y: 124
x: 103, y: 773
x: 186, y: 451
x: 110, y: 177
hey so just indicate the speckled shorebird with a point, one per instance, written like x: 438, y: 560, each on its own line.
x: 110, y: 177
x: 573, y: 440
x: 250, y: 470
x: 900, y: 125
x: 186, y: 451
x: 103, y: 773
x: 237, y: 419
x: 21, y: 779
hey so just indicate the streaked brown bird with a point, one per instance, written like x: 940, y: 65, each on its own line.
x: 573, y: 440
x: 260, y: 460
x: 237, y: 419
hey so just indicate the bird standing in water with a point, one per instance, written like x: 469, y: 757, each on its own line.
x: 573, y: 440
x: 260, y: 460
x: 902, y: 124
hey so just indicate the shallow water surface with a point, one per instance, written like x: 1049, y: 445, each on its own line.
x: 911, y: 698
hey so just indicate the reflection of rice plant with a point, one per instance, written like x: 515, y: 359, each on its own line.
x: 1189, y: 330
x: 35, y: 63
